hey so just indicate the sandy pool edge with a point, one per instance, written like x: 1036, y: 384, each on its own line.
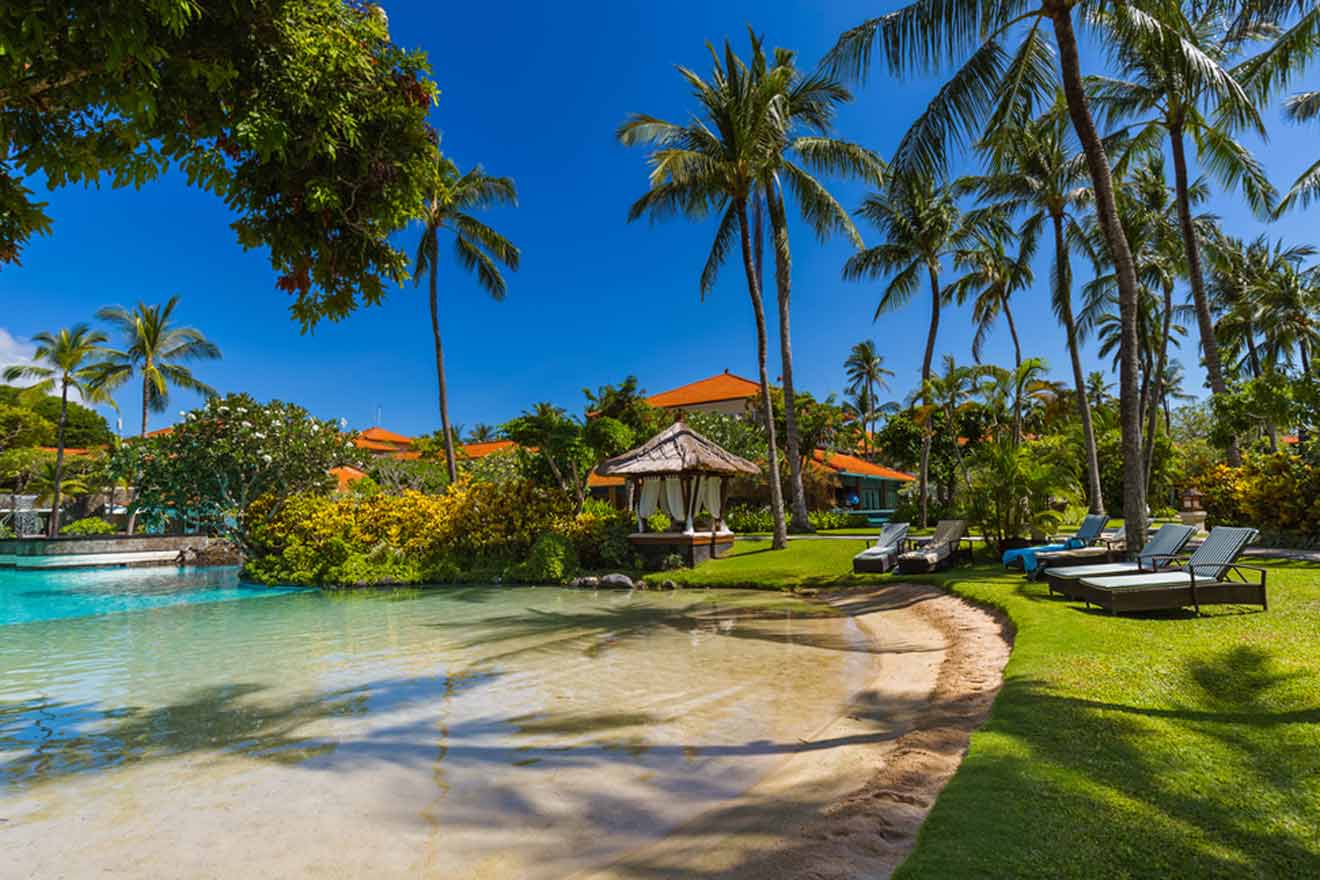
x: 851, y: 803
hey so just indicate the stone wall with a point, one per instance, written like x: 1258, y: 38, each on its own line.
x: 194, y: 544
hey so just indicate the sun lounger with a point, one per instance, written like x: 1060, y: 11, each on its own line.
x: 1087, y: 534
x: 941, y: 550
x: 883, y: 555
x: 1211, y: 576
x: 1168, y: 542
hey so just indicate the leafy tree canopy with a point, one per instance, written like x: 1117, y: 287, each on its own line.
x: 83, y: 428
x: 20, y: 426
x: 301, y: 115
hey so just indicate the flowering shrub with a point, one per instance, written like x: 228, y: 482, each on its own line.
x: 89, y: 525
x: 406, y: 538
x: 221, y: 458
x: 1273, y: 493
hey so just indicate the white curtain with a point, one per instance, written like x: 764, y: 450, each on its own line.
x: 673, y: 500
x: 649, y: 499
x: 714, y: 489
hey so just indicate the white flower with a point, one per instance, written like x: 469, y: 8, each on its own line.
x: 245, y: 423
x: 259, y: 435
x: 315, y: 426
x: 240, y: 410
x: 224, y: 409
x: 268, y: 458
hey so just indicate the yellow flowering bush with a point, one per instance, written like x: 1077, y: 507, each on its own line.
x: 406, y: 538
x: 1278, y: 493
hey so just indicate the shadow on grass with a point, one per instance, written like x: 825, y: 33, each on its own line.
x: 1090, y: 787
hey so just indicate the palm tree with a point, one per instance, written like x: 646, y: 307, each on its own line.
x: 800, y: 122
x: 996, y: 85
x: 1010, y: 390
x: 156, y: 350
x: 919, y: 223
x: 1098, y: 389
x: 477, y: 247
x: 1177, y: 82
x: 64, y: 360
x: 1035, y: 170
x: 1303, y: 107
x: 947, y: 393
x: 483, y: 433
x: 716, y: 164
x: 866, y: 372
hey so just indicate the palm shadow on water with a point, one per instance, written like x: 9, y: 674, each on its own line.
x: 43, y: 741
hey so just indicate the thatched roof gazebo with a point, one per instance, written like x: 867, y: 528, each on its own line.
x: 679, y: 472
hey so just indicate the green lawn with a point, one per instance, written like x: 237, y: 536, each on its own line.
x: 1155, y: 746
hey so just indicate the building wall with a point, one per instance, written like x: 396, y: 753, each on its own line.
x: 737, y: 407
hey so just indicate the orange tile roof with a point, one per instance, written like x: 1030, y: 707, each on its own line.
x: 375, y: 445
x: 382, y: 435
x: 1289, y: 439
x: 596, y: 481
x: 481, y: 450
x: 720, y: 387
x: 70, y: 450
x: 840, y: 462
x: 161, y: 432
x: 346, y: 475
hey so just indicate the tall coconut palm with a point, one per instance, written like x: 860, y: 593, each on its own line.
x: 1303, y: 107
x: 1036, y: 171
x: 155, y: 349
x: 801, y: 148
x: 920, y: 226
x: 867, y: 374
x: 477, y: 247
x: 1001, y: 79
x: 1178, y: 86
x: 66, y: 360
x: 715, y: 163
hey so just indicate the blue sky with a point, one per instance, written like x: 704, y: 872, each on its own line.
x: 536, y: 91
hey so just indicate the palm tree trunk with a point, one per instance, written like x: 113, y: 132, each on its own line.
x: 1195, y: 277
x: 146, y: 395
x: 53, y: 526
x: 1134, y: 488
x: 1253, y: 353
x: 780, y: 540
x: 924, y: 473
x: 1094, y: 492
x: 450, y: 461
x: 783, y: 286
x: 1017, y: 365
x: 1157, y: 390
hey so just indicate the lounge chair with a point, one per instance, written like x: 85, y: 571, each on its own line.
x: 883, y: 555
x: 939, y: 551
x: 1167, y: 543
x: 1087, y: 534
x: 1109, y: 547
x: 1200, y: 580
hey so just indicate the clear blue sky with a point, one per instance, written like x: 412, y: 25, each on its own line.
x: 535, y: 91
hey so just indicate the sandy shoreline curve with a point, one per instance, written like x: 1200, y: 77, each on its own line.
x: 849, y: 803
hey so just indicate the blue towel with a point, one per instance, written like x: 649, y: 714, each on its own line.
x: 1027, y: 555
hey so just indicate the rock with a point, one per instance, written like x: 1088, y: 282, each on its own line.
x: 585, y: 583
x: 668, y: 585
x: 616, y: 582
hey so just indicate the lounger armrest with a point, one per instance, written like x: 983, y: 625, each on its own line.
x: 1169, y: 560
x: 1238, y: 568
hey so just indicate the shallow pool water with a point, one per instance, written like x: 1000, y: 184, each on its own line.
x: 148, y: 728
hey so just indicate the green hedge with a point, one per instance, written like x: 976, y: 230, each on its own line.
x: 91, y: 525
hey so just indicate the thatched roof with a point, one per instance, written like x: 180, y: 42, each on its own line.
x: 676, y: 450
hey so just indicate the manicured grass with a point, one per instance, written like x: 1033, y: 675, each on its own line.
x: 1156, y: 746
x: 805, y: 564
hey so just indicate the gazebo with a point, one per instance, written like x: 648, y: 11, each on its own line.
x: 679, y: 472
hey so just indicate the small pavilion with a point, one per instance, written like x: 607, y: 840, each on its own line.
x: 682, y: 474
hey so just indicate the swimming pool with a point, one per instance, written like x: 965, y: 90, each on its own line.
x: 173, y: 723
x: 29, y: 596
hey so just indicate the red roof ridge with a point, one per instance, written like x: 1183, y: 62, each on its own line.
x: 384, y: 435
x: 841, y: 461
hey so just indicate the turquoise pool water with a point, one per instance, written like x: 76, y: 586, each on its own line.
x: 31, y: 596
x: 166, y: 723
